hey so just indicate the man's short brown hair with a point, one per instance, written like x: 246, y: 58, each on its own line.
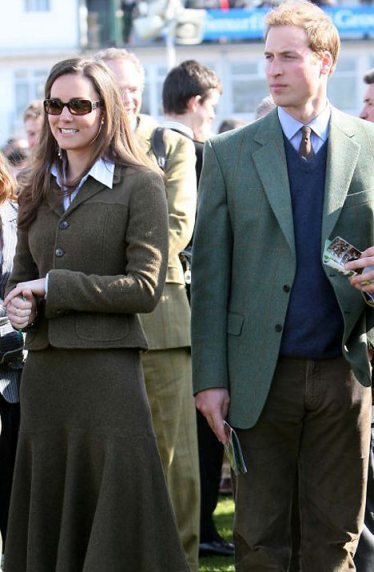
x: 369, y: 76
x: 320, y: 30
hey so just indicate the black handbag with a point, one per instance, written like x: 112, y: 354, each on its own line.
x: 11, y: 344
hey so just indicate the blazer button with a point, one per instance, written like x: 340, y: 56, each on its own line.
x: 286, y: 288
x: 59, y: 252
x: 278, y: 328
x: 63, y: 225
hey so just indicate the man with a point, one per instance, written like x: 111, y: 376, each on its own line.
x: 190, y: 94
x: 167, y: 364
x: 279, y: 339
x: 33, y: 117
x: 364, y: 557
x: 368, y: 108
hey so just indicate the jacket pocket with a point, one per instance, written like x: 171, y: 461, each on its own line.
x: 101, y: 327
x: 234, y: 323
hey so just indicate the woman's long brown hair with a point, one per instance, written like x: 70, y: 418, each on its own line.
x: 114, y: 140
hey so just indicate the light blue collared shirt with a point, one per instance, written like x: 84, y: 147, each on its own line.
x: 102, y: 171
x: 320, y: 127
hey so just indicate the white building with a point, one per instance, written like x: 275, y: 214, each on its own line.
x: 37, y: 33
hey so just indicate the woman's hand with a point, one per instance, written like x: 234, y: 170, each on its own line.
x: 20, y: 303
x: 365, y: 280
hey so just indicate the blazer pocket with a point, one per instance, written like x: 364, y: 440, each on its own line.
x: 234, y: 323
x: 101, y: 327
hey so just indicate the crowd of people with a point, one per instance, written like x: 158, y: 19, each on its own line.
x: 113, y: 413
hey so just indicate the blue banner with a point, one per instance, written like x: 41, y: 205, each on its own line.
x: 238, y: 24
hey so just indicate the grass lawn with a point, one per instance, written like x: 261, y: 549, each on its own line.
x: 223, y: 517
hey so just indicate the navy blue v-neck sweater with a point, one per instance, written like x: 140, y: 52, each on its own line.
x: 314, y: 324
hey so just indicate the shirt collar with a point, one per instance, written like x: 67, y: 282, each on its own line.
x: 179, y: 127
x: 102, y: 171
x: 320, y: 124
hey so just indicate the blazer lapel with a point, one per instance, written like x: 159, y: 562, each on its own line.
x: 90, y: 188
x: 342, y: 156
x: 271, y: 164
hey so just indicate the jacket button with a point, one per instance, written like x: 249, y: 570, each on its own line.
x: 63, y: 225
x: 286, y: 288
x: 59, y: 252
x: 278, y: 328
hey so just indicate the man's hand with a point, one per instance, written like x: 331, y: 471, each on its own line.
x: 214, y: 404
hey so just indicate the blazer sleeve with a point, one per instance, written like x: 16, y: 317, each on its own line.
x: 211, y: 271
x: 24, y: 267
x: 146, y: 250
x: 181, y: 190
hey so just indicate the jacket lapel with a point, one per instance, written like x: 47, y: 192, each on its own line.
x: 271, y: 164
x: 342, y: 156
x: 90, y: 188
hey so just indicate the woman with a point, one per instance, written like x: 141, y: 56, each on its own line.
x: 88, y: 493
x: 9, y: 373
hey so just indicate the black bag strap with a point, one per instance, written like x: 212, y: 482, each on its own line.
x: 158, y: 147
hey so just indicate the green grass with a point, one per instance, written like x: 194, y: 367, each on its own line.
x: 223, y: 518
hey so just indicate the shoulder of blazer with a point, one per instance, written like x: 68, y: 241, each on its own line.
x: 350, y: 125
x: 134, y: 177
x: 145, y: 127
x: 248, y: 138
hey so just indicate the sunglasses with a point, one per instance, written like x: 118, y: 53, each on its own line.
x: 76, y: 106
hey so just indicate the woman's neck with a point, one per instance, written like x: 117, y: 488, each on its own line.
x: 76, y: 165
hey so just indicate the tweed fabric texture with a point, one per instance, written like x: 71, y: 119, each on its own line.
x: 89, y: 494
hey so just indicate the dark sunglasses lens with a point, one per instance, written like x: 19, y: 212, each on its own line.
x: 80, y: 106
x: 53, y: 106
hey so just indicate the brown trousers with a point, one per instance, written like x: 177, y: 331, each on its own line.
x: 316, y: 422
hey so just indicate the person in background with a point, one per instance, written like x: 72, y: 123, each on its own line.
x: 88, y: 490
x: 231, y: 123
x: 265, y: 105
x: 17, y: 154
x: 364, y: 557
x: 367, y: 111
x: 279, y: 340
x: 10, y: 372
x: 190, y: 94
x: 128, y: 8
x: 33, y: 118
x: 167, y: 364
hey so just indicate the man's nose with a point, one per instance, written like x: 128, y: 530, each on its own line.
x: 363, y: 113
x: 274, y: 67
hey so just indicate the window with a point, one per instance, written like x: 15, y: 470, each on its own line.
x: 37, y: 5
x: 28, y: 85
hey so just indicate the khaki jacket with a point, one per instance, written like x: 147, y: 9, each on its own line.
x: 106, y: 259
x: 168, y: 326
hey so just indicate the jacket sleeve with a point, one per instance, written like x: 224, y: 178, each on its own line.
x: 211, y: 271
x: 24, y: 267
x: 146, y: 246
x: 181, y: 190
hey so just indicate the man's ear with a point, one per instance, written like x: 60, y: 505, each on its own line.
x: 326, y: 64
x: 193, y: 102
